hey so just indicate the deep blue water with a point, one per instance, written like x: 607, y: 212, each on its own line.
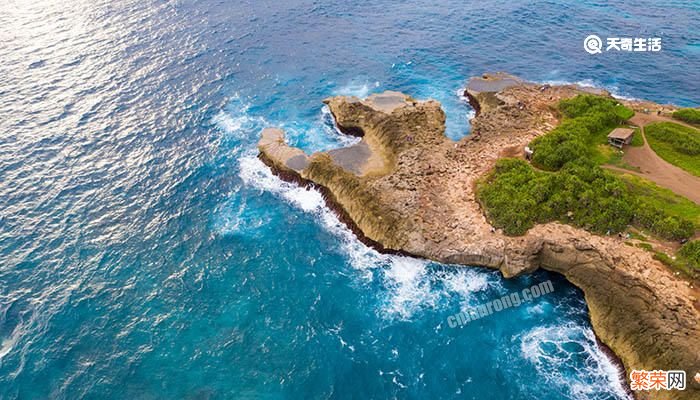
x: 146, y: 253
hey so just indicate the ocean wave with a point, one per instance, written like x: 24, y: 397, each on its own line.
x: 464, y: 100
x: 409, y: 284
x: 563, y: 354
x: 255, y: 174
x: 331, y: 128
x: 358, y: 88
x: 8, y: 343
x: 462, y: 283
x: 237, y: 121
x: 589, y: 83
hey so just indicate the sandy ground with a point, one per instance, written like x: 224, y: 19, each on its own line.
x: 655, y: 168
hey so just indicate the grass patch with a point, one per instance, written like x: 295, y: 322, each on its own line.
x: 638, y: 236
x: 516, y: 197
x: 662, y: 198
x: 572, y: 188
x: 677, y: 144
x: 637, y: 139
x: 611, y: 156
x: 606, y: 154
x: 689, y: 115
x: 690, y: 254
x: 678, y: 263
x: 587, y: 121
x: 645, y: 246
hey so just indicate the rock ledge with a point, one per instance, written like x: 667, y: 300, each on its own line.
x: 407, y: 188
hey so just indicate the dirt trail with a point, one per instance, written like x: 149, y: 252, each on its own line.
x: 425, y: 204
x: 655, y: 168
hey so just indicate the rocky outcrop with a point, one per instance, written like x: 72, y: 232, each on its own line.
x: 405, y: 187
x: 638, y: 308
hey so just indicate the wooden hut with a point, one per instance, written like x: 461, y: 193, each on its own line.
x: 620, y: 137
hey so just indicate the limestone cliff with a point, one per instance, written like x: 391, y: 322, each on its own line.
x: 405, y: 187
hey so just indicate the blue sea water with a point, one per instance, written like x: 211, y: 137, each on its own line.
x: 145, y: 252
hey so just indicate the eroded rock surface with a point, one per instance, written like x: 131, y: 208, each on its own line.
x: 406, y: 187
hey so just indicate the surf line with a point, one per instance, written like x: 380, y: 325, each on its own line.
x: 514, y: 299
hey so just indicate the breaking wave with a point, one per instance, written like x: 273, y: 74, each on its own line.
x: 563, y: 355
x: 589, y: 83
x: 410, y: 284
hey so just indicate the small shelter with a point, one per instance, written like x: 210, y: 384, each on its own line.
x: 620, y: 137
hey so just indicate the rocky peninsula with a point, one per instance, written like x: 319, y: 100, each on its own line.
x: 407, y: 188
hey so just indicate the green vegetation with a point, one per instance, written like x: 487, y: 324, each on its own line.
x: 517, y: 197
x: 606, y: 154
x: 645, y: 246
x: 661, y: 198
x: 638, y: 236
x: 587, y: 121
x: 686, y: 261
x: 574, y: 189
x: 660, y: 222
x: 689, y: 115
x: 677, y: 144
x: 612, y: 156
x: 637, y: 139
x: 690, y: 253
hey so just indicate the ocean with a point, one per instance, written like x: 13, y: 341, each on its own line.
x: 145, y: 252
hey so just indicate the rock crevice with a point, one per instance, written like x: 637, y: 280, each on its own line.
x: 407, y: 188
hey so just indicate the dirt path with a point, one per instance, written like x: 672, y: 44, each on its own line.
x: 641, y: 119
x: 655, y: 168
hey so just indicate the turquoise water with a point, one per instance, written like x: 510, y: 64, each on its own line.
x: 146, y: 253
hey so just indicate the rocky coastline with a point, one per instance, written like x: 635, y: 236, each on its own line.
x: 406, y: 188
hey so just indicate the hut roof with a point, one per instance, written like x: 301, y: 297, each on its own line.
x: 621, y: 133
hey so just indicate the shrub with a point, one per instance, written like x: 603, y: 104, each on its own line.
x: 553, y: 151
x: 517, y: 197
x: 672, y: 227
x: 585, y: 116
x: 660, y: 223
x: 576, y: 191
x: 683, y: 139
x: 508, y: 205
x: 587, y: 104
x: 689, y: 115
x: 691, y: 252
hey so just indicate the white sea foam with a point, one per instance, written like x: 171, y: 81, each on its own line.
x: 331, y: 129
x: 471, y: 113
x: 226, y: 123
x: 551, y: 350
x: 256, y: 174
x: 409, y: 282
x: 409, y: 286
x: 6, y: 345
x: 462, y: 283
x: 237, y: 122
x: 240, y: 125
x: 589, y: 83
x: 357, y: 89
x: 536, y: 309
